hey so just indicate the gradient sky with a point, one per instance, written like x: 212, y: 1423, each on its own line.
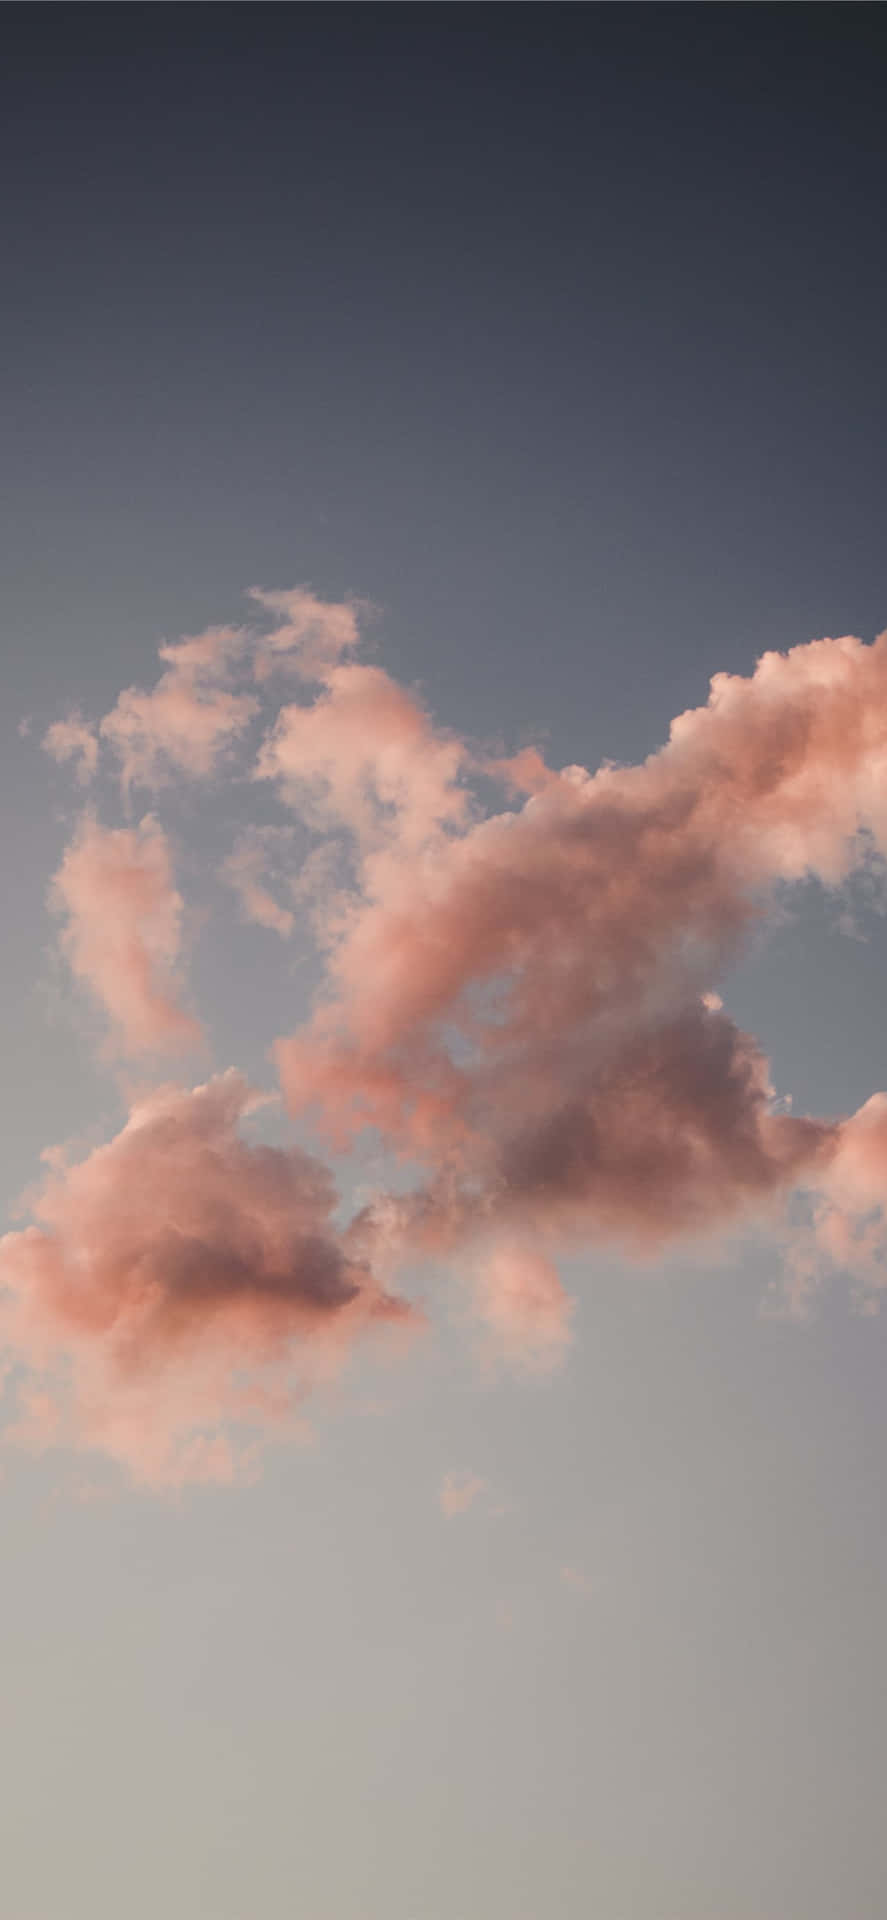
x: 555, y: 334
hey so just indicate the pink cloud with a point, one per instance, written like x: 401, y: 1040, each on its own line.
x: 526, y: 1003
x: 181, y: 1286
x: 310, y: 634
x: 189, y: 720
x: 74, y: 739
x: 365, y: 757
x: 848, y: 1214
x: 459, y: 1491
x: 520, y: 1298
x: 123, y: 933
x: 247, y: 868
x: 523, y: 1004
x: 188, y: 723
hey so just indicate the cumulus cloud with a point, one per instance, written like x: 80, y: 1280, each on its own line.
x: 179, y: 1280
x: 523, y: 1003
x: 526, y: 1002
x: 123, y: 933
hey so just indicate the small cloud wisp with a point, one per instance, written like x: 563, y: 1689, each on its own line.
x: 123, y: 934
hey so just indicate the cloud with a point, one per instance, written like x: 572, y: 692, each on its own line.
x: 310, y: 634
x: 365, y: 758
x: 526, y: 1003
x: 459, y: 1491
x: 123, y: 933
x: 180, y: 1280
x: 187, y: 725
x: 520, y: 1299
x: 74, y: 739
x: 846, y: 1227
x: 523, y: 999
x: 189, y: 720
x: 246, y: 869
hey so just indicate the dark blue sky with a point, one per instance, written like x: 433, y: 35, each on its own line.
x: 552, y: 329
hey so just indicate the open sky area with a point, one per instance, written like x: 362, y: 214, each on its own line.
x: 444, y: 782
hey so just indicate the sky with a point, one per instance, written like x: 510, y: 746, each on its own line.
x: 444, y: 1156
